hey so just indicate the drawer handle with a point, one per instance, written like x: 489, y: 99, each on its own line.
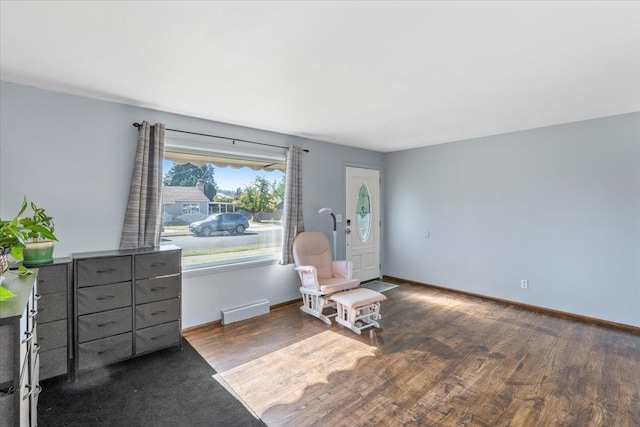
x: 106, y: 270
x: 36, y: 347
x: 33, y: 314
x: 38, y: 390
x: 38, y: 296
x: 158, y: 264
x: 29, y: 392
x: 104, y: 298
x: 29, y: 336
x: 106, y: 324
x: 158, y: 312
x: 106, y: 351
x: 157, y: 288
x: 159, y: 336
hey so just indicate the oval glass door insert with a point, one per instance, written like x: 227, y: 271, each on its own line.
x: 363, y: 218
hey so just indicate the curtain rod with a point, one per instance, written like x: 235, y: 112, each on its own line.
x: 138, y: 125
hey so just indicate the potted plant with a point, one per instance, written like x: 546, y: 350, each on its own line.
x: 39, y: 244
x: 12, y: 238
x: 12, y: 242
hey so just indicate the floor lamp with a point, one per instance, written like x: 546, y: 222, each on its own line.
x: 328, y: 211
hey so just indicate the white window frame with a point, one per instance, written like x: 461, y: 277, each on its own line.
x: 205, y: 147
x: 191, y: 208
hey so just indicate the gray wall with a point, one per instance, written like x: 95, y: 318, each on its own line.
x: 74, y: 156
x: 558, y: 206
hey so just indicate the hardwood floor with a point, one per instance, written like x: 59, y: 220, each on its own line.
x: 439, y: 358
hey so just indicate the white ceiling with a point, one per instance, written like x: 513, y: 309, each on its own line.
x: 380, y: 75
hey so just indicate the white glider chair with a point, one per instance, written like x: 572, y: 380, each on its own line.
x: 321, y: 276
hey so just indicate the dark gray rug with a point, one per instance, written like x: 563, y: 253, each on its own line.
x: 169, y: 388
x: 378, y: 286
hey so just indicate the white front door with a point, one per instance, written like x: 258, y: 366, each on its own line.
x: 363, y: 222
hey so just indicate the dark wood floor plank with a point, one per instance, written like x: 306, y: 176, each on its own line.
x: 439, y: 358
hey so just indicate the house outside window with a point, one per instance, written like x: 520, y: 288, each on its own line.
x: 222, y: 210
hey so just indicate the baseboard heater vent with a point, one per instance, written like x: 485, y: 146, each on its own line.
x: 245, y: 312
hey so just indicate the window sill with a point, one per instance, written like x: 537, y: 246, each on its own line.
x: 205, y: 271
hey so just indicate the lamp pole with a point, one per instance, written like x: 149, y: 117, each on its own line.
x: 335, y: 230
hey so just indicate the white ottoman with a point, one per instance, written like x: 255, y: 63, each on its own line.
x: 358, y: 304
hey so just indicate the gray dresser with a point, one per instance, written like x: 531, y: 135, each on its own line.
x: 19, y: 357
x: 127, y: 303
x: 54, y: 317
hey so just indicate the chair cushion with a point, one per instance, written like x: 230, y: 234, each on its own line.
x: 358, y: 297
x: 313, y: 248
x: 336, y: 285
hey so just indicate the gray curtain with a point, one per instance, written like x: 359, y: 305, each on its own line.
x: 292, y: 223
x: 142, y: 222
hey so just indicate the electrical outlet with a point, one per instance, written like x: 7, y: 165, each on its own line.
x: 524, y: 284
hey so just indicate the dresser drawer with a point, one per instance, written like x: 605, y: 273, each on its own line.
x: 102, y: 271
x: 53, y: 363
x: 52, y: 335
x: 101, y: 325
x: 157, y: 264
x: 8, y: 340
x: 156, y: 313
x: 104, y: 297
x: 157, y: 337
x: 52, y: 279
x: 105, y: 351
x: 7, y: 410
x: 162, y: 288
x: 52, y: 307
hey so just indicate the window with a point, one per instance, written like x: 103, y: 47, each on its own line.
x: 363, y: 218
x: 190, y: 208
x: 220, y: 209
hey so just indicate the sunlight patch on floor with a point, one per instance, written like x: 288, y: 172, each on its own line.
x: 471, y: 308
x: 444, y: 301
x: 281, y: 377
